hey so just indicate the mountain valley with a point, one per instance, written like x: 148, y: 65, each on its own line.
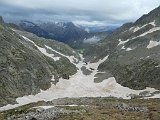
x: 66, y: 32
x: 60, y: 71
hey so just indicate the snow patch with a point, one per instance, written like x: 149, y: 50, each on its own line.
x: 53, y: 79
x: 80, y: 85
x: 153, y: 44
x: 148, y: 32
x: 72, y: 59
x: 135, y: 29
x: 48, y: 107
x: 153, y: 23
x: 42, y: 50
x: 128, y: 49
x: 45, y: 107
x: 123, y: 48
x: 122, y: 42
x: 155, y: 96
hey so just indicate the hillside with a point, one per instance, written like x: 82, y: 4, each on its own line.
x: 29, y: 64
x: 133, y: 51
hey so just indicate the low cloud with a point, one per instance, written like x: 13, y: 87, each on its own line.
x: 89, y: 12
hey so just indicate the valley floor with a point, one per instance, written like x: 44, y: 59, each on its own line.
x: 80, y: 85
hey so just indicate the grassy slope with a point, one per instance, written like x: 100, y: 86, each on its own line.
x: 98, y: 109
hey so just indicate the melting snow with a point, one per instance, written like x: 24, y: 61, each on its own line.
x: 42, y: 50
x: 128, y: 49
x: 72, y: 59
x: 135, y: 29
x: 150, y: 31
x: 80, y: 85
x: 153, y: 44
x: 122, y: 42
x: 153, y: 23
x: 155, y: 96
x: 48, y: 107
x: 53, y: 78
x: 123, y: 47
x: 44, y: 107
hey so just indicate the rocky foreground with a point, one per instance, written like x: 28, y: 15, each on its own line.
x: 87, y: 109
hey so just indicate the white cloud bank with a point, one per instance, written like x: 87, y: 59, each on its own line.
x: 105, y: 11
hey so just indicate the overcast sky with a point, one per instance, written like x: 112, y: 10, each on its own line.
x: 89, y: 12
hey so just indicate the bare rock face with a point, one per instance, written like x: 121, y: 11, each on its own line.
x: 65, y: 76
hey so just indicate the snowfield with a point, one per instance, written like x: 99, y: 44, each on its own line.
x: 153, y: 44
x: 79, y: 85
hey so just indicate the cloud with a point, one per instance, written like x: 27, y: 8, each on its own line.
x: 94, y: 11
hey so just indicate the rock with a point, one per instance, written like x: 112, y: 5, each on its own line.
x: 33, y: 118
x: 92, y: 69
x: 126, y: 107
x: 40, y: 109
x: 65, y: 76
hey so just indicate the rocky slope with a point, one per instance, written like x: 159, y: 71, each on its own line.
x: 29, y: 64
x: 87, y: 109
x: 133, y: 51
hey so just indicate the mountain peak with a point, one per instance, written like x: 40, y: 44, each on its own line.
x: 150, y: 17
